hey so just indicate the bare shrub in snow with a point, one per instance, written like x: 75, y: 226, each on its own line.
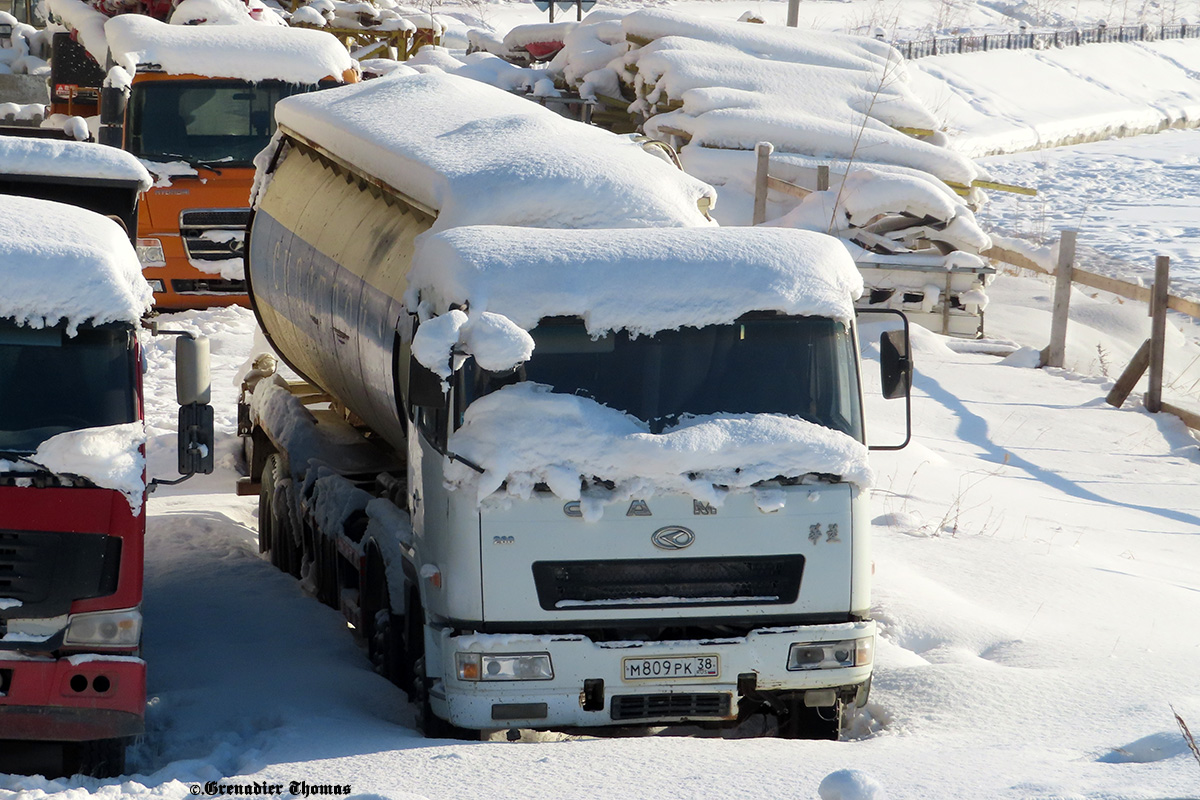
x: 883, y: 14
x: 1187, y: 734
x: 950, y: 15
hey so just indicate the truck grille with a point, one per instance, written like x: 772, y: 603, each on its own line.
x: 193, y: 224
x: 46, y: 571
x: 663, y: 706
x: 232, y: 218
x: 666, y: 583
x: 211, y: 286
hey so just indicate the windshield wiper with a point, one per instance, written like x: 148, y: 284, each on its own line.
x: 191, y: 161
x: 10, y: 455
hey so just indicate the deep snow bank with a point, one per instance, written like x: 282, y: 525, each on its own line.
x: 1007, y: 101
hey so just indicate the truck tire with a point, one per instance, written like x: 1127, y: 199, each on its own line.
x: 287, y: 536
x: 97, y: 758
x: 430, y: 724
x: 385, y: 640
x: 326, y: 566
x: 266, y: 518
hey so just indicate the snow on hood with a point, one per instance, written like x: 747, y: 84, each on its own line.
x: 59, y: 262
x: 27, y: 156
x: 482, y: 156
x: 526, y: 434
x: 110, y: 457
x: 256, y: 52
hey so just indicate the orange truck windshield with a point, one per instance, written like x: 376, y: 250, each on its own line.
x: 203, y: 121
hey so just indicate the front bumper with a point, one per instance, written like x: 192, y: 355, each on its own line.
x: 574, y: 697
x: 75, y: 698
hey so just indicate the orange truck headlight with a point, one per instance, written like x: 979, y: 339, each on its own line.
x: 150, y: 253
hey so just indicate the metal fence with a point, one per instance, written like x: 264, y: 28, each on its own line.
x: 944, y: 45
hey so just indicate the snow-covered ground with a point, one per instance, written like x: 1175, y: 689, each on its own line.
x: 1035, y: 583
x: 898, y: 19
x: 1037, y: 557
x: 1130, y: 199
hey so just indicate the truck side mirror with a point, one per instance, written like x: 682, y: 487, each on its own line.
x: 895, y: 364
x: 192, y: 383
x: 112, y: 116
x: 196, y: 436
x: 193, y: 391
x: 424, y: 386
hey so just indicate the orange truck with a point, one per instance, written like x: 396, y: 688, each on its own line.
x: 195, y: 103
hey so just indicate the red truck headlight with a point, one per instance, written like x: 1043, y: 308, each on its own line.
x: 105, y: 628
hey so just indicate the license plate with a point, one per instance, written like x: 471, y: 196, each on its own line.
x: 649, y: 669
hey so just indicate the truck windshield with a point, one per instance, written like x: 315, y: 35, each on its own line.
x: 51, y: 383
x: 803, y: 367
x: 206, y: 121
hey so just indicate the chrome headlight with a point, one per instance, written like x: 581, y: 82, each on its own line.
x: 150, y: 253
x: 831, y: 655
x: 515, y: 667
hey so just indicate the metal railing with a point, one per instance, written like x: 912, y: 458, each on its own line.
x: 1043, y: 40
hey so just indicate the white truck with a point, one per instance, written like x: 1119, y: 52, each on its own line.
x: 607, y: 471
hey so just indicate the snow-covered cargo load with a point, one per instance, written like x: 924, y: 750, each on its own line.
x: 634, y: 472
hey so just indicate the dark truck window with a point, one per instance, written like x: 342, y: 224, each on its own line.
x: 803, y: 367
x: 210, y: 121
x: 51, y: 383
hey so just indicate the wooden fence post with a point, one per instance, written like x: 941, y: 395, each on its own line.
x: 762, y: 151
x: 823, y: 178
x: 1130, y: 377
x: 1158, y: 333
x: 1055, y: 353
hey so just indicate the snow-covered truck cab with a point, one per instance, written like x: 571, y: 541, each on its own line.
x: 196, y: 103
x: 72, y: 481
x: 650, y: 509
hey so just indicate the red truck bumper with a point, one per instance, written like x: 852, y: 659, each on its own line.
x: 96, y: 697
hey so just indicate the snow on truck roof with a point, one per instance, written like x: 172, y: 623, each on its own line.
x: 638, y: 280
x: 480, y: 155
x: 252, y: 52
x: 641, y: 281
x: 26, y: 156
x: 62, y: 263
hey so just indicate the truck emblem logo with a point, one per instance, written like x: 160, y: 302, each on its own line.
x: 701, y: 509
x: 831, y: 533
x: 638, y: 508
x: 504, y: 540
x: 572, y: 509
x: 672, y: 537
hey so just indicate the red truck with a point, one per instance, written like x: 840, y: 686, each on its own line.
x: 72, y: 461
